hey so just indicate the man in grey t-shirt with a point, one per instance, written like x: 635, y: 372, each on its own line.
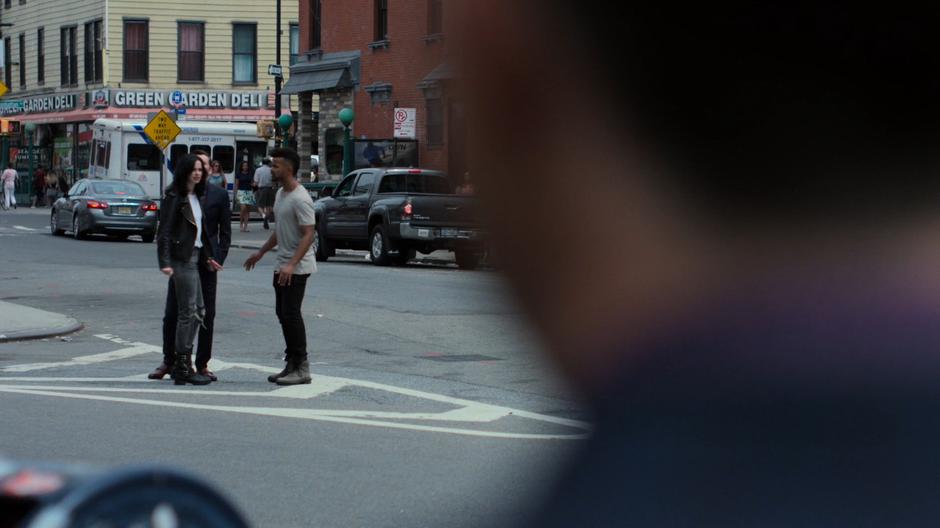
x: 293, y: 236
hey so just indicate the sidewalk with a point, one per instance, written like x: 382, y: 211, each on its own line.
x: 22, y: 322
x: 257, y: 236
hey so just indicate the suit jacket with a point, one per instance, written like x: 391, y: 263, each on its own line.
x: 218, y: 212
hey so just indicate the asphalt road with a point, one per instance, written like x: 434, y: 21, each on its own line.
x: 430, y: 406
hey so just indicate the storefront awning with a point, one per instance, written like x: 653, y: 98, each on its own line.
x: 329, y: 71
x: 316, y: 80
x: 193, y: 114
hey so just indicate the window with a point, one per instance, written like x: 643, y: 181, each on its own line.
x: 316, y: 14
x: 225, y: 155
x: 176, y: 153
x: 244, y: 54
x: 68, y: 56
x: 190, y: 59
x: 7, y: 63
x: 119, y: 188
x: 93, y: 56
x: 334, y: 150
x: 345, y: 188
x: 435, y: 17
x: 381, y: 19
x: 6, y: 4
x: 136, y: 50
x: 364, y: 185
x: 435, y: 122
x: 294, y: 43
x: 22, y: 60
x: 416, y: 183
x: 41, y: 55
x: 142, y: 156
x: 102, y: 155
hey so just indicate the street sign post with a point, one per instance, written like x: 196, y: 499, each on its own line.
x: 275, y: 70
x: 404, y: 126
x: 162, y: 130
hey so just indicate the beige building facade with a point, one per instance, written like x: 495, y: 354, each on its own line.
x: 69, y: 62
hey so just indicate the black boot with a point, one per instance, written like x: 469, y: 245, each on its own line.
x: 183, y: 372
x: 288, y: 368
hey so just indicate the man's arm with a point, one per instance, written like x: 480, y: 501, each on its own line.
x: 256, y: 256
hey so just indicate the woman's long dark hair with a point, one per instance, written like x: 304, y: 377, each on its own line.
x: 184, y: 167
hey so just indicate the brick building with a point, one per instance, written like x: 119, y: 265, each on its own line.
x: 376, y: 56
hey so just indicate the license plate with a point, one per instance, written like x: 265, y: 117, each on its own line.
x: 125, y: 210
x: 448, y: 232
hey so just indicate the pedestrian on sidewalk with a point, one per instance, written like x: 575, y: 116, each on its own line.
x: 9, y: 178
x: 216, y: 176
x: 244, y: 194
x: 182, y: 245
x: 39, y: 188
x: 218, y: 213
x: 293, y: 236
x: 52, y: 187
x: 263, y: 182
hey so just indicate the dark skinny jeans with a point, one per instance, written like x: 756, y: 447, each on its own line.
x: 287, y: 303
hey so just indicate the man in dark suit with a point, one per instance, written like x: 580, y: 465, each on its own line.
x: 218, y: 211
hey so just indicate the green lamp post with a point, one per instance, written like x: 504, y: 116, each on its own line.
x: 30, y: 131
x: 346, y: 116
x: 284, y: 122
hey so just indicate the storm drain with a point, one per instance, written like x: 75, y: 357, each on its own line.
x: 454, y: 358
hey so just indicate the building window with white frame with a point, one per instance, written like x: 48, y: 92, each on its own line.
x: 191, y: 43
x: 244, y: 54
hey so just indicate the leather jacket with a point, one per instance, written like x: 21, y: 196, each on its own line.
x: 176, y: 236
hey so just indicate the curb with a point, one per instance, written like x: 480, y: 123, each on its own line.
x: 27, y: 335
x: 421, y: 260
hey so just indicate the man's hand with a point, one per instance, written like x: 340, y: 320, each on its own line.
x: 167, y: 271
x: 214, y: 266
x: 284, y: 274
x: 252, y: 260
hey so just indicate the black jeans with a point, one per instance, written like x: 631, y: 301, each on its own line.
x: 287, y: 302
x: 208, y: 281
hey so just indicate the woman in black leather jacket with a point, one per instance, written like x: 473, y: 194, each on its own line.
x: 182, y: 243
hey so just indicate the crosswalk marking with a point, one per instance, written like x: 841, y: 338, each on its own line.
x: 454, y: 420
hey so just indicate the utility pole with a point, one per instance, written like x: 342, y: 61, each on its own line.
x: 278, y: 133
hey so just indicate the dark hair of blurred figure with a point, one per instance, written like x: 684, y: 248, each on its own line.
x: 722, y: 219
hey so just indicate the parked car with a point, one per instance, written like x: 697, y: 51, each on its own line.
x: 394, y: 213
x: 118, y: 208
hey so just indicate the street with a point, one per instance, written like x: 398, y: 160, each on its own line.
x: 430, y: 403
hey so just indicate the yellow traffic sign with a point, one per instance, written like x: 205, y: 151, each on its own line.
x: 162, y: 130
x: 3, y: 89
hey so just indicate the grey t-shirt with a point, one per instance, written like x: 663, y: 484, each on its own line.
x: 292, y: 210
x: 262, y: 176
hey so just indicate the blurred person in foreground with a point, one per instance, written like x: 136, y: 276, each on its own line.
x: 745, y: 285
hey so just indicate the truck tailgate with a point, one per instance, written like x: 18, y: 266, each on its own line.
x: 444, y: 210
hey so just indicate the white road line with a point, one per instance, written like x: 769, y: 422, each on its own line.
x: 22, y: 228
x: 465, y: 411
x: 303, y: 414
x: 123, y: 353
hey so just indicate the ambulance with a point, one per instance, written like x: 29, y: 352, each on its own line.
x: 120, y: 149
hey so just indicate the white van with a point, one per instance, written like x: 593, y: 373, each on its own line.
x: 121, y: 150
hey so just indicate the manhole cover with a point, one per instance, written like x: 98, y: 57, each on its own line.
x: 458, y: 358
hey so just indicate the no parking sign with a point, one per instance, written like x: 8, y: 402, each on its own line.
x: 405, y: 122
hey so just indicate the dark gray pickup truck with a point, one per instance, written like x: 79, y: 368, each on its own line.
x: 394, y: 213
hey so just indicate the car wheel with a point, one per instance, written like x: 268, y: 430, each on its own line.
x: 76, y: 229
x: 54, y: 224
x: 468, y: 259
x: 320, y: 249
x: 379, y: 246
